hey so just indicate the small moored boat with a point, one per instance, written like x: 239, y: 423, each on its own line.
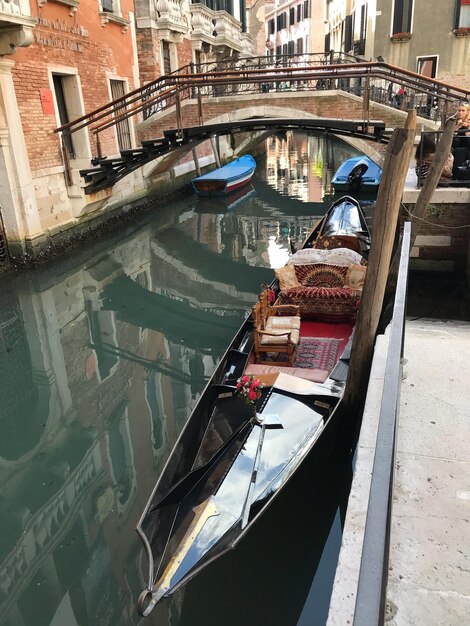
x: 357, y: 173
x: 233, y: 458
x: 227, y: 178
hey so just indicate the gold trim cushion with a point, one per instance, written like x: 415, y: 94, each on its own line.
x: 286, y: 277
x: 355, y: 276
x: 275, y: 322
x: 337, y: 256
x: 280, y: 339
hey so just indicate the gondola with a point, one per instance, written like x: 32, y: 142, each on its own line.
x: 231, y: 461
x: 357, y: 173
x: 226, y: 179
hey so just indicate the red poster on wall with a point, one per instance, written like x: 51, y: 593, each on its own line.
x: 47, y: 101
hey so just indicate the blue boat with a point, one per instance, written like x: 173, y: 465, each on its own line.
x: 357, y: 173
x: 227, y: 178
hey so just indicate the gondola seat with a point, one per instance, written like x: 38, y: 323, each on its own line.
x: 324, y: 292
x: 313, y: 375
x: 276, y: 337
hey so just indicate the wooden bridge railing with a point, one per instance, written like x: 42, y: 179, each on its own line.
x: 374, y: 82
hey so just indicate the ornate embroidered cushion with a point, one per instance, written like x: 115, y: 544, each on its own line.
x: 320, y: 275
x: 338, y: 241
x: 286, y: 277
x: 333, y: 304
x: 355, y: 276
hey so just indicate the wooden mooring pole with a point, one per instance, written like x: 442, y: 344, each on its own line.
x: 215, y: 150
x: 432, y: 179
x: 429, y: 186
x: 395, y: 168
x: 196, y: 162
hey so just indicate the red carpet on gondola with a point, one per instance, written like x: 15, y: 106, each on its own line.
x: 318, y: 352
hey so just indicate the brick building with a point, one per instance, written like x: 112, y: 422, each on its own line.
x: 60, y: 59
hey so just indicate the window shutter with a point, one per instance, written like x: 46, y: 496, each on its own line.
x: 327, y: 43
x: 348, y: 33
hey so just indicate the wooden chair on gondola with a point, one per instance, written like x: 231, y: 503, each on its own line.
x: 276, y: 331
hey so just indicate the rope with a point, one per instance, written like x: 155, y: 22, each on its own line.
x: 443, y: 226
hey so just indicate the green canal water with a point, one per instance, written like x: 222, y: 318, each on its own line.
x: 102, y: 356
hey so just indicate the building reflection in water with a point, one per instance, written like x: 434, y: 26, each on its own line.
x: 101, y: 360
x: 302, y: 166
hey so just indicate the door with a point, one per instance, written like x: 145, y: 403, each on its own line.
x: 427, y: 66
x: 59, y: 89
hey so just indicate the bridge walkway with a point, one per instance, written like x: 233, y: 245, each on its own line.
x: 108, y: 171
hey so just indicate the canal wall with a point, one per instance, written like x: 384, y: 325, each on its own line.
x: 443, y: 240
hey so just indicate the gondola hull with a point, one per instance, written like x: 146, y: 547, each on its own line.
x: 230, y: 462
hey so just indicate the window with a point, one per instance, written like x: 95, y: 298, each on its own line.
x: 362, y: 34
x: 299, y: 12
x: 402, y: 14
x: 166, y: 63
x: 291, y: 16
x: 271, y: 29
x: 306, y: 13
x: 327, y: 43
x: 107, y: 6
x: 290, y: 47
x: 281, y: 21
x: 347, y: 34
x: 300, y: 46
x: 462, y: 14
x: 123, y: 130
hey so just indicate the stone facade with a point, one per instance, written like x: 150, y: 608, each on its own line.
x: 377, y: 28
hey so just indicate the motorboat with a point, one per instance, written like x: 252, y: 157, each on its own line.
x: 357, y: 173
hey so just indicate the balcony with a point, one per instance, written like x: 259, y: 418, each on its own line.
x: 218, y: 29
x: 171, y: 20
x: 16, y: 25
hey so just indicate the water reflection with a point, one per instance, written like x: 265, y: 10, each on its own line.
x: 102, y: 357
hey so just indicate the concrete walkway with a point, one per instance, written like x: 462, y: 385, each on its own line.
x: 429, y: 574
x: 429, y: 577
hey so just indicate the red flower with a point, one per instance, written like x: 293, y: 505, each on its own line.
x: 249, y: 388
